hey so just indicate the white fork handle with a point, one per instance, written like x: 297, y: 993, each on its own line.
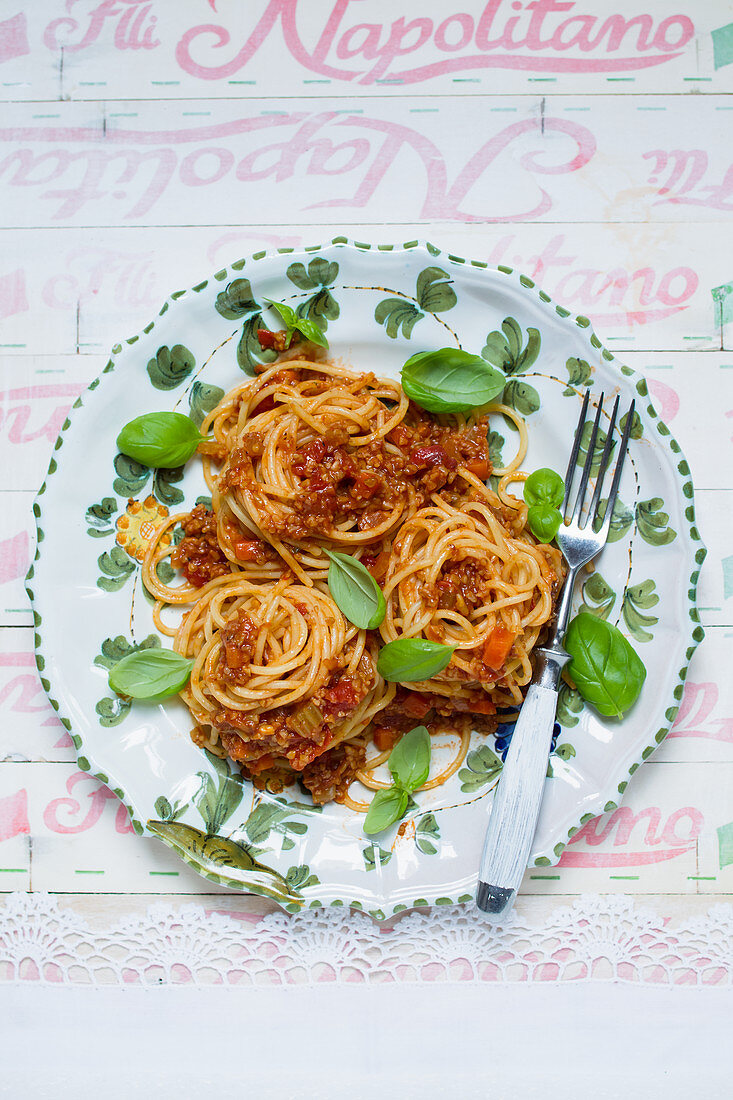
x: 516, y: 805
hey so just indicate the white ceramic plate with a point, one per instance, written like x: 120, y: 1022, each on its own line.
x: 380, y: 306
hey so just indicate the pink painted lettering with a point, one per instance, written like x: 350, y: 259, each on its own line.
x: 681, y: 178
x: 129, y: 279
x: 132, y: 20
x: 615, y: 297
x: 137, y: 167
x: 666, y: 399
x: 14, y: 37
x: 14, y: 555
x: 13, y: 297
x: 14, y: 815
x: 696, y: 717
x: 643, y: 836
x: 537, y: 36
x: 35, y: 412
x: 20, y: 692
x: 64, y: 815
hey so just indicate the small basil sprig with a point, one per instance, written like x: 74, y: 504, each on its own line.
x: 160, y: 439
x: 604, y: 666
x: 408, y: 659
x: 409, y: 763
x: 355, y: 591
x: 150, y: 674
x: 544, y: 491
x: 304, y: 325
x: 450, y: 380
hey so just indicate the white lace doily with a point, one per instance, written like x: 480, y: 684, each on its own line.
x: 597, y: 938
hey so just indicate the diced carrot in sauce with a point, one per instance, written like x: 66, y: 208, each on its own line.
x: 400, y: 435
x: 385, y: 739
x: 259, y: 765
x: 483, y: 706
x: 497, y: 646
x: 415, y: 705
x: 479, y: 467
x: 249, y: 550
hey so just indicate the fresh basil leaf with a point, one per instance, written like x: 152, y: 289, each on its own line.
x: 304, y: 325
x: 386, y: 807
x: 604, y: 667
x: 409, y: 659
x: 450, y: 380
x: 159, y: 439
x: 409, y: 760
x: 544, y: 521
x: 150, y: 674
x: 544, y: 487
x: 355, y: 591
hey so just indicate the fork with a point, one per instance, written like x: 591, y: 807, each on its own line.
x: 518, y: 797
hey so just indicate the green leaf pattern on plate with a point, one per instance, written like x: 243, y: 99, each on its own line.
x: 237, y: 300
x: 598, y: 596
x: 320, y: 307
x: 375, y: 856
x: 218, y: 796
x: 277, y: 815
x: 637, y: 599
x: 250, y: 353
x: 170, y: 367
x: 579, y: 374
x: 519, y: 395
x: 621, y: 519
x: 427, y: 833
x: 483, y: 766
x: 115, y: 566
x: 654, y: 523
x: 507, y: 349
x: 99, y: 518
x: 595, y: 462
x: 569, y: 705
x: 202, y: 399
x: 433, y: 294
x: 300, y: 877
x: 132, y: 477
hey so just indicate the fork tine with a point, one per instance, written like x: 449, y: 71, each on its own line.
x: 574, y: 452
x: 579, y: 500
x: 605, y: 457
x: 603, y: 530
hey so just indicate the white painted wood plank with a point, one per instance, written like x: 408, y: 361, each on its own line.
x: 633, y: 159
x: 147, y: 49
x: 64, y: 291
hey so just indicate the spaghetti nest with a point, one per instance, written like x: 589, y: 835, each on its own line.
x: 316, y: 455
x: 474, y: 579
x: 310, y: 457
x: 279, y: 675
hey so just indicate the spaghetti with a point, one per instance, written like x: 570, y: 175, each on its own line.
x: 307, y: 457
